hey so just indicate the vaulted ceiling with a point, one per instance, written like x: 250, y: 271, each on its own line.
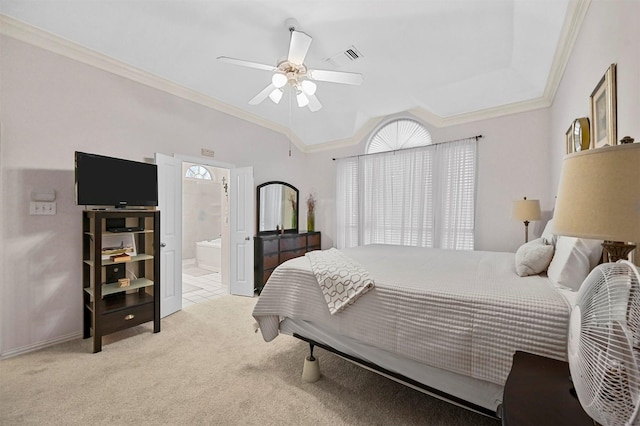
x: 447, y: 62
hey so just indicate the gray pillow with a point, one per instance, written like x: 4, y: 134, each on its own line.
x: 533, y: 257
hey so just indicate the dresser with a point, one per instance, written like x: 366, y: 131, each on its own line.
x: 272, y: 250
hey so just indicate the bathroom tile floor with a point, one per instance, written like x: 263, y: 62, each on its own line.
x: 199, y: 285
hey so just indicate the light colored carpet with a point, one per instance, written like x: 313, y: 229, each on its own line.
x: 196, y: 272
x: 206, y: 367
x: 186, y: 288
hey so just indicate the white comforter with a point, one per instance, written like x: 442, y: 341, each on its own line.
x: 462, y: 311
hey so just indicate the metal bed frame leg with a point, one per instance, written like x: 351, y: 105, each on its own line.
x: 311, y: 346
x: 398, y: 378
x: 311, y: 368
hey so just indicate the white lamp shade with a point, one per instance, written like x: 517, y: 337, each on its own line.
x: 302, y: 99
x: 308, y: 87
x: 526, y: 210
x: 276, y: 95
x: 279, y: 80
x: 599, y: 194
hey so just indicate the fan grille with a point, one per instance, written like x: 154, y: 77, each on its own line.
x: 604, y: 363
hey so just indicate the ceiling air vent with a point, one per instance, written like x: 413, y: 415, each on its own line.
x: 345, y: 57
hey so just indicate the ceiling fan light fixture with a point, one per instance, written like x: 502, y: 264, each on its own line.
x: 279, y: 80
x: 302, y: 99
x: 293, y: 72
x: 276, y: 95
x: 308, y: 87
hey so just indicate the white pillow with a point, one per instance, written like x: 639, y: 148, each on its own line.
x: 547, y: 235
x: 533, y: 257
x: 574, y: 258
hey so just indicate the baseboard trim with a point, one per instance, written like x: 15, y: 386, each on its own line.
x: 40, y: 345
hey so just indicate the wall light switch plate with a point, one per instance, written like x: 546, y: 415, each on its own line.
x: 39, y: 208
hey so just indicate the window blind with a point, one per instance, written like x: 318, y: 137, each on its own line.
x: 418, y: 197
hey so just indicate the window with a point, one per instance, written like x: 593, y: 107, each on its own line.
x: 424, y: 196
x: 198, y: 172
x: 399, y: 134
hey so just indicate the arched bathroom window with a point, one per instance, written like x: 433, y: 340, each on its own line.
x: 198, y: 172
x: 398, y: 134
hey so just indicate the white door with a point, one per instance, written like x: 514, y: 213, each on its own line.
x: 242, y: 231
x: 170, y: 205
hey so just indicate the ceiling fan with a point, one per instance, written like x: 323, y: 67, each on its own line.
x: 294, y: 72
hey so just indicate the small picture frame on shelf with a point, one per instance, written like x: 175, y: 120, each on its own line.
x: 603, y: 110
x: 118, y: 244
x: 568, y: 139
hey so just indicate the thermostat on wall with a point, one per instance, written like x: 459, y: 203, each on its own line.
x: 43, y: 194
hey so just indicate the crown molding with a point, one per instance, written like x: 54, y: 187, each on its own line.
x: 576, y: 12
x: 434, y: 120
x: 360, y: 134
x: 36, y: 37
x: 485, y: 114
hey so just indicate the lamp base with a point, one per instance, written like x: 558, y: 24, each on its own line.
x: 616, y: 250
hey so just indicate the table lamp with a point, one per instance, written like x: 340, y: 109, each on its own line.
x: 526, y: 211
x: 599, y: 198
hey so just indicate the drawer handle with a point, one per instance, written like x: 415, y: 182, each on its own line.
x: 129, y: 317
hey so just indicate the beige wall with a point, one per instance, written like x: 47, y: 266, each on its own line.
x: 52, y: 106
x: 609, y: 35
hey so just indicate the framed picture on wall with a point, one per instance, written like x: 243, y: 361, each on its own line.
x: 603, y: 110
x: 568, y: 137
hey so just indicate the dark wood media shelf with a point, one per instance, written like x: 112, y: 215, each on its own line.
x: 121, y: 301
x: 109, y: 307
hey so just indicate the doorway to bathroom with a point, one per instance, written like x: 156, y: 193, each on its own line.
x: 205, y: 232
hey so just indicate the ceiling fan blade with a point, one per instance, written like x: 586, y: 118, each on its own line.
x: 298, y: 47
x: 262, y: 95
x: 336, y: 76
x: 314, y: 104
x: 247, y: 63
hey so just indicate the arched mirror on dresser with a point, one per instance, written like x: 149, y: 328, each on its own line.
x: 278, y: 238
x: 277, y: 208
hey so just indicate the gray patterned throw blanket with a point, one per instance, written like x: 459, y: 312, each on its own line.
x: 341, y: 279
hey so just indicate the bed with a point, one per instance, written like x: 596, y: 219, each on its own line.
x: 445, y: 322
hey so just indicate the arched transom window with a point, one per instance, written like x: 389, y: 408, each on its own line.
x: 198, y: 172
x: 399, y: 134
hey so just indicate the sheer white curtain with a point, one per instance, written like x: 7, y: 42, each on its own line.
x: 455, y: 189
x: 418, y: 197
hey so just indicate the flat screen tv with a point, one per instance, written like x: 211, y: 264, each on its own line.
x: 108, y: 181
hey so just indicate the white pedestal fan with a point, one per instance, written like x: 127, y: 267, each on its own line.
x: 604, y: 344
